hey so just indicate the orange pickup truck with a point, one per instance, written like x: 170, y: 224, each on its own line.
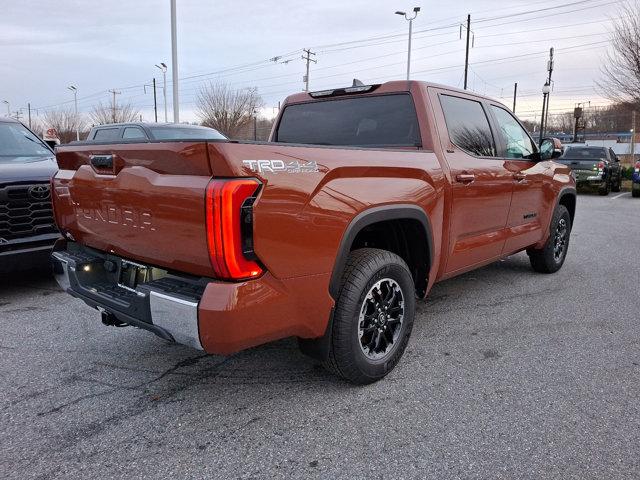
x: 363, y: 198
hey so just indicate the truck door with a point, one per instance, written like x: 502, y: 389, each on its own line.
x: 519, y: 154
x: 481, y: 185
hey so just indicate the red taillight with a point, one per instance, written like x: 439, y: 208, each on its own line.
x: 600, y: 165
x: 227, y: 214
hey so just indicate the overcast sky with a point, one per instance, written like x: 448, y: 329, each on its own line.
x: 46, y: 46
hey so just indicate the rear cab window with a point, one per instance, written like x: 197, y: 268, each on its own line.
x: 587, y: 153
x: 468, y: 125
x: 369, y: 121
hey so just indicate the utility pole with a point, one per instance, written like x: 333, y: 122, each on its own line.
x: 515, y: 93
x: 466, y: 57
x: 577, y: 115
x: 155, y: 103
x: 255, y: 125
x: 113, y: 105
x: 308, y: 58
x: 633, y: 137
x: 29, y: 113
x: 163, y: 69
x: 410, y: 20
x: 174, y: 63
x: 75, y: 103
x: 8, y: 108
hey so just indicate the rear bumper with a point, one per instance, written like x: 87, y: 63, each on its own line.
x: 218, y: 317
x: 152, y: 306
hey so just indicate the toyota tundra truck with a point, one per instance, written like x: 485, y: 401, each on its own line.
x: 361, y: 200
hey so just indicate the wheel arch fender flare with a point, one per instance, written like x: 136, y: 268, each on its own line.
x: 568, y: 192
x: 369, y: 217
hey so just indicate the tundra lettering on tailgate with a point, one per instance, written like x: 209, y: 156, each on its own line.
x: 111, y: 213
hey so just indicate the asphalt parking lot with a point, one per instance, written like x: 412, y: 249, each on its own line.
x: 509, y: 374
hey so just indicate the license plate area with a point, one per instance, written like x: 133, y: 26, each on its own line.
x: 132, y: 274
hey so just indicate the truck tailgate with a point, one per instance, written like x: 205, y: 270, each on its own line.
x: 145, y: 203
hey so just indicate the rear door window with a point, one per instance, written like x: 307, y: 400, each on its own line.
x: 133, y: 133
x: 468, y: 125
x: 371, y: 121
x: 107, y: 134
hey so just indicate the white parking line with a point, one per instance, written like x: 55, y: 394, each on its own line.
x: 621, y: 195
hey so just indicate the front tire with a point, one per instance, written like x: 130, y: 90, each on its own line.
x: 373, y: 317
x: 635, y: 190
x: 550, y: 258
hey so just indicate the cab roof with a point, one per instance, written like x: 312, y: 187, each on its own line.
x: 386, y: 87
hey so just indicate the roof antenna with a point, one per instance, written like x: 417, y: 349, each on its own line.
x: 357, y: 83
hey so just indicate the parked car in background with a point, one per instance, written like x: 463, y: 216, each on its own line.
x: 362, y: 200
x: 594, y: 167
x: 50, y: 137
x: 27, y: 228
x: 146, y: 131
x: 635, y: 180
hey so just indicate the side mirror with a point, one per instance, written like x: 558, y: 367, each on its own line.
x: 550, y: 148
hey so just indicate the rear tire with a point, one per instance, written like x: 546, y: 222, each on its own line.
x: 605, y: 191
x: 550, y: 258
x: 373, y: 317
x: 618, y: 186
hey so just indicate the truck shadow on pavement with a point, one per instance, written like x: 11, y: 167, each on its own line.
x: 110, y: 360
x: 105, y: 378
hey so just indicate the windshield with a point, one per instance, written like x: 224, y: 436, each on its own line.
x: 186, y: 133
x: 585, y: 153
x: 17, y: 142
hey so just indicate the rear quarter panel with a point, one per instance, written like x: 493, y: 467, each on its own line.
x: 302, y: 216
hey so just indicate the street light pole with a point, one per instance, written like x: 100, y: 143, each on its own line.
x: 75, y: 103
x: 410, y: 19
x: 8, y: 108
x: 545, y: 92
x: 174, y: 63
x: 163, y: 68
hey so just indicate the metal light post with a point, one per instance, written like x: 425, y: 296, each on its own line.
x: 163, y: 69
x: 75, y: 103
x: 410, y: 19
x: 8, y: 108
x: 545, y: 91
x: 174, y: 63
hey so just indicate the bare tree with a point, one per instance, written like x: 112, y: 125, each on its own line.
x: 621, y: 69
x: 561, y: 122
x: 65, y: 123
x: 226, y: 109
x: 101, y: 114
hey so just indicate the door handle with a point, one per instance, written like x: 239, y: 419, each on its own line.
x: 465, y: 177
x: 519, y: 176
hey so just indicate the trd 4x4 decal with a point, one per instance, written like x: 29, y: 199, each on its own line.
x: 280, y: 166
